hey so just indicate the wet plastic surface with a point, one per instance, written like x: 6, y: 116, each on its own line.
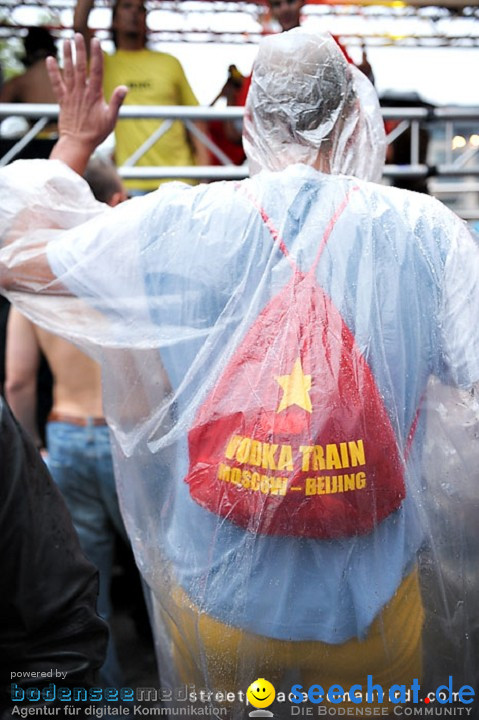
x: 168, y: 291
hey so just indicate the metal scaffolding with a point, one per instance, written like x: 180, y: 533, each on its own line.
x: 452, y: 23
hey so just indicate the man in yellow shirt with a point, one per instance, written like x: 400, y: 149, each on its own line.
x: 152, y: 78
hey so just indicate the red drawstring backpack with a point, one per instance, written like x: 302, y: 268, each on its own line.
x: 294, y: 438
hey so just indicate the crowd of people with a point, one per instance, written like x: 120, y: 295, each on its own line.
x: 243, y: 368
x: 153, y: 78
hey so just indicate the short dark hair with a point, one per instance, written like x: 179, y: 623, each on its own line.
x: 113, y: 15
x: 39, y: 44
x: 103, y: 179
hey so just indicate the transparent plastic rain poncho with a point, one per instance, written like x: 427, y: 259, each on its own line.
x: 282, y: 524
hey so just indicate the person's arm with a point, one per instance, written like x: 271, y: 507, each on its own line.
x: 460, y: 300
x: 80, y: 21
x: 85, y: 119
x: 365, y: 66
x: 186, y: 96
x: 201, y: 152
x: 22, y: 362
x: 30, y: 210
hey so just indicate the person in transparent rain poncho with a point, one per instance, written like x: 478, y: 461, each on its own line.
x: 266, y: 349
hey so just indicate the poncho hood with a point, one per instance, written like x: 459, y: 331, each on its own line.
x: 308, y: 105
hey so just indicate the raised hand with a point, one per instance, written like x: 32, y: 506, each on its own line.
x: 85, y: 118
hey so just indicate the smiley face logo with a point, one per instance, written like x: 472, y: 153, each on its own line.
x: 261, y: 693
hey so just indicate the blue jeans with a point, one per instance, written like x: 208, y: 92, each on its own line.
x: 79, y: 459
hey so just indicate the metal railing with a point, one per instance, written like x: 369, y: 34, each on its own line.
x: 457, y: 165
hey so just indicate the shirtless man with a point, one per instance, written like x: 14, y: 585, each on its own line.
x: 79, y: 453
x: 33, y: 86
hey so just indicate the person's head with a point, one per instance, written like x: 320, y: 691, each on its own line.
x: 39, y: 44
x: 286, y: 12
x: 128, y: 24
x: 104, y: 181
x: 307, y: 104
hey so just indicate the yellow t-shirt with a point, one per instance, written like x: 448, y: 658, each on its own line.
x: 152, y: 78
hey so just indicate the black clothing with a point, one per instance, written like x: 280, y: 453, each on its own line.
x: 48, y: 614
